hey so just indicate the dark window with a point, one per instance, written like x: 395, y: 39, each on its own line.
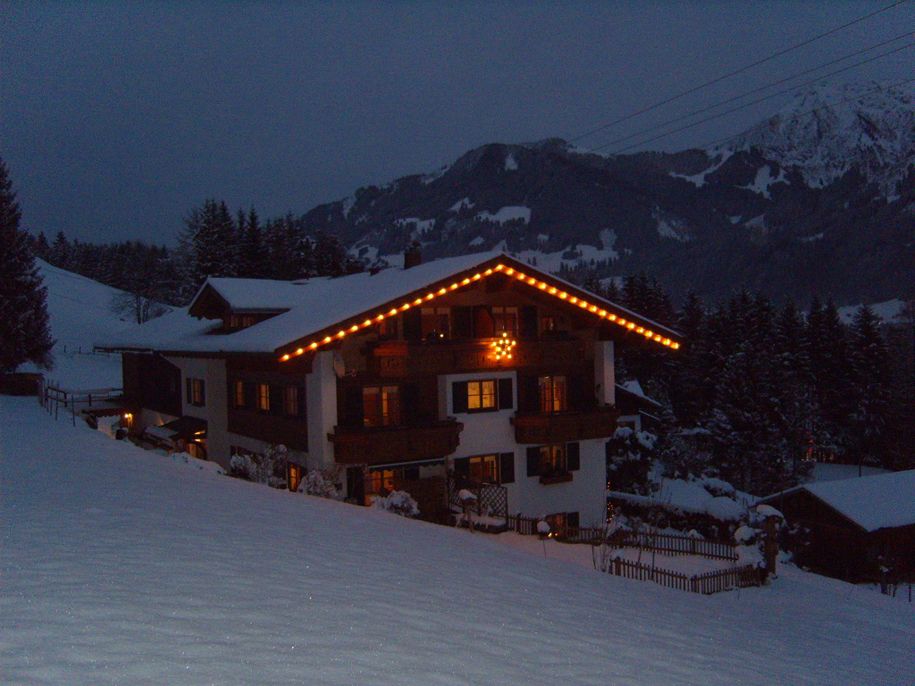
x: 462, y: 322
x: 436, y: 323
x: 553, y: 460
x: 505, y: 320
x: 387, y: 328
x: 553, y: 393
x: 506, y: 401
x: 381, y: 406
x: 292, y: 401
x: 412, y: 325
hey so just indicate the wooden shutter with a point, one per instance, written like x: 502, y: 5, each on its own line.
x: 409, y: 408
x: 459, y: 396
x: 352, y: 406
x: 301, y: 398
x: 484, y: 326
x: 462, y: 322
x: 412, y: 325
x: 505, y: 394
x: 203, y: 392
x: 188, y: 391
x: 276, y: 400
x: 250, y: 395
x: 528, y: 394
x: 573, y: 457
x: 507, y: 468
x: 533, y: 461
x: 527, y: 326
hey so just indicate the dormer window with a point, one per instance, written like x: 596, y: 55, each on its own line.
x: 241, y: 321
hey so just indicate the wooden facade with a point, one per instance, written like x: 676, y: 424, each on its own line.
x: 395, y: 444
x: 562, y: 427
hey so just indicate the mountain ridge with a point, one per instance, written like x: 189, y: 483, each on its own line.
x: 792, y: 206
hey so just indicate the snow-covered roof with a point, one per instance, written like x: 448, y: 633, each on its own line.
x: 313, y: 306
x: 635, y: 388
x: 872, y: 502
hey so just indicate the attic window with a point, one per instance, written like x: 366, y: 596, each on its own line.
x: 241, y: 321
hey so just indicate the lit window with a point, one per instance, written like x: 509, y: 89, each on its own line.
x: 381, y: 405
x: 263, y: 397
x: 505, y: 319
x: 481, y: 395
x: 553, y: 396
x: 483, y: 469
x: 291, y: 400
x: 239, y: 393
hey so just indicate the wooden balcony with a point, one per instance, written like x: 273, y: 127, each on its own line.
x: 541, y: 429
x: 390, y: 444
x: 402, y: 358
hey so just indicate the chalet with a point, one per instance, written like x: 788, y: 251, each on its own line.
x: 854, y: 526
x: 478, y: 369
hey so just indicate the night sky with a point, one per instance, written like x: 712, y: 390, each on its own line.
x: 117, y: 118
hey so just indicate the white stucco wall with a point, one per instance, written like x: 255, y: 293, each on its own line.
x: 321, y: 401
x: 215, y: 409
x: 493, y: 433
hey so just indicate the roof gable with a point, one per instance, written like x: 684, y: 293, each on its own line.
x: 323, y: 310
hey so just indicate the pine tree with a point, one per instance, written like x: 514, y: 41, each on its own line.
x: 25, y: 334
x: 251, y: 259
x: 871, y: 390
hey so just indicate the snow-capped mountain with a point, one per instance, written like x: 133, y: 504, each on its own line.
x: 817, y: 199
x: 827, y: 131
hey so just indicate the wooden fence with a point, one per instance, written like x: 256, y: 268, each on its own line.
x: 52, y: 397
x: 527, y: 526
x: 706, y: 584
x: 675, y: 545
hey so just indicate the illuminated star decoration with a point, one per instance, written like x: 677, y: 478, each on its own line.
x: 503, y: 346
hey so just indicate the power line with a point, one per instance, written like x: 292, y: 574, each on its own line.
x: 719, y: 141
x: 654, y: 127
x: 735, y: 72
x: 753, y: 102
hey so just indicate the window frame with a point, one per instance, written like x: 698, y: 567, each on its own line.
x: 262, y: 398
x: 548, y: 402
x: 384, y: 412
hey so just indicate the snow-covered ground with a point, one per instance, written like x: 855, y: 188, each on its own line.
x: 124, y: 566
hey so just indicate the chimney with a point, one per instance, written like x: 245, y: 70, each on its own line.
x: 412, y: 256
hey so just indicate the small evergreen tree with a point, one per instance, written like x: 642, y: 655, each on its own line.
x: 25, y: 334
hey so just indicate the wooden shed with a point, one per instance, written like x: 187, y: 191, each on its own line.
x: 851, y: 528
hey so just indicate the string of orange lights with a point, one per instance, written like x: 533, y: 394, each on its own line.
x: 507, y: 271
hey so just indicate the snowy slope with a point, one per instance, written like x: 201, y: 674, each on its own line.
x: 80, y: 313
x: 122, y: 566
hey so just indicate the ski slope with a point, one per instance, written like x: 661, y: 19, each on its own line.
x: 124, y: 566
x: 81, y: 313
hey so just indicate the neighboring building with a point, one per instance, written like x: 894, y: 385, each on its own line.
x: 637, y: 410
x: 475, y: 369
x: 854, y: 526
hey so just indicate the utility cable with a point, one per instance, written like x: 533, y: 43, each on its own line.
x: 654, y: 127
x: 736, y: 71
x: 753, y: 102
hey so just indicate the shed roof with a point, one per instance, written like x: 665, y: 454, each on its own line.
x: 872, y: 502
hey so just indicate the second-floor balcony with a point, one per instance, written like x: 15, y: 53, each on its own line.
x: 563, y: 427
x: 390, y: 444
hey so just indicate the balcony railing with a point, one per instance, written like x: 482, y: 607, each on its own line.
x: 562, y: 427
x: 390, y: 444
x: 402, y: 358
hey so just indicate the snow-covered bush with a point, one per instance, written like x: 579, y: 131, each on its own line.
x: 630, y: 458
x: 320, y: 483
x: 398, y: 502
x: 243, y: 466
x: 269, y: 468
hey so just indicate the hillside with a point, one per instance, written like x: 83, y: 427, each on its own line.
x: 125, y: 566
x: 817, y: 199
x: 80, y: 312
